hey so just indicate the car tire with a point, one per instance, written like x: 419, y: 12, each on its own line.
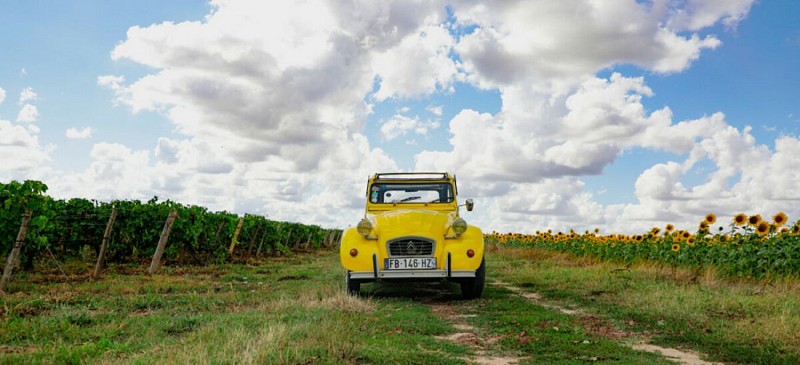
x: 353, y: 286
x: 472, y: 288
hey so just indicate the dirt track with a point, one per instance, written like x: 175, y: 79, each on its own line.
x: 446, y: 305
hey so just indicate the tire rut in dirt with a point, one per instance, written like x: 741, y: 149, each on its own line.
x: 458, y: 313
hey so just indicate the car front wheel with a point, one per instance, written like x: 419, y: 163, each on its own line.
x: 353, y: 285
x: 473, y: 287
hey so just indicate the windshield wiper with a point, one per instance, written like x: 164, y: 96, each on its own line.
x: 406, y: 199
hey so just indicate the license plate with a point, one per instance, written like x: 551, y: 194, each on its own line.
x: 411, y: 263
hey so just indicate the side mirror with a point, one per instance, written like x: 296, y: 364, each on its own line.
x: 470, y: 204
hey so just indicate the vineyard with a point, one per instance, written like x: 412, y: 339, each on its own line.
x: 750, y: 246
x: 60, y: 230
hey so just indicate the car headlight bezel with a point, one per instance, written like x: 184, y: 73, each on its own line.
x: 459, y: 226
x: 364, y: 227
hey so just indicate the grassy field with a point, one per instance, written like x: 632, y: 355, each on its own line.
x: 292, y: 310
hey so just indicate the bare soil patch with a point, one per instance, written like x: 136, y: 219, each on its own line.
x: 467, y: 334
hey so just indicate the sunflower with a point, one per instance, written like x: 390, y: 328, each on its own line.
x: 669, y: 227
x: 796, y: 228
x: 676, y: 247
x: 690, y: 241
x: 754, y: 220
x: 711, y: 218
x: 703, y: 225
x: 762, y: 228
x: 686, y: 235
x: 740, y: 219
x: 780, y: 219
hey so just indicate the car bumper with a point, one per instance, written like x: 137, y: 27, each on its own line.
x: 377, y: 273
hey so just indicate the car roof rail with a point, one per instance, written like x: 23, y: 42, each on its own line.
x: 412, y: 176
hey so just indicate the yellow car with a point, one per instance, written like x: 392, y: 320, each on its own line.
x: 412, y: 230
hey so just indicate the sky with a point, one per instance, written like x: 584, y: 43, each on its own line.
x: 621, y: 115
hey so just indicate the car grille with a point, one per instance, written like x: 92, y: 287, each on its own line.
x: 411, y: 246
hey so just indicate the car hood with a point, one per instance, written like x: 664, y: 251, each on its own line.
x: 398, y: 223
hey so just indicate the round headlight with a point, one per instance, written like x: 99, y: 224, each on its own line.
x: 364, y: 227
x: 459, y: 226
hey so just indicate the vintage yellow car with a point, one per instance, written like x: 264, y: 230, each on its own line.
x: 412, y: 231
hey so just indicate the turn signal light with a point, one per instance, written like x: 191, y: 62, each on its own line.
x: 354, y: 252
x: 470, y: 253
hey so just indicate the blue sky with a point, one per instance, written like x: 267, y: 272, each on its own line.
x: 622, y: 115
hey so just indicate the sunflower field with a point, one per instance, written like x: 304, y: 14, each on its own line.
x: 750, y: 246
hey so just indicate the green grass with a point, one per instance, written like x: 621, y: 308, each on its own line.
x: 281, y: 310
x: 293, y: 310
x: 731, y: 320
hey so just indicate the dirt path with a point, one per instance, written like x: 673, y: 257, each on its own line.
x: 442, y: 302
x: 467, y: 335
x: 597, y: 325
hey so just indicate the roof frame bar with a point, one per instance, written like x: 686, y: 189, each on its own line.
x: 412, y: 176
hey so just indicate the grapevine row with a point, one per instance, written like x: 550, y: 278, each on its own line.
x: 74, y: 228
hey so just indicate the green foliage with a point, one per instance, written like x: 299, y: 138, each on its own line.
x: 69, y: 227
x: 15, y: 199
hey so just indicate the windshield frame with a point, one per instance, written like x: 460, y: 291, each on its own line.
x: 381, y: 194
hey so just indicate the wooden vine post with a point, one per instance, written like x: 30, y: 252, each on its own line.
x: 261, y: 244
x: 288, y: 236
x: 236, y: 236
x: 14, y: 255
x: 253, y: 241
x: 330, y: 238
x: 104, y: 245
x: 219, y: 232
x: 162, y: 242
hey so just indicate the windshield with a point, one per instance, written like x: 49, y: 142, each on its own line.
x: 411, y: 193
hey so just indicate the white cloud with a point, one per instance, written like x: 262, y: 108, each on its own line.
x: 28, y: 113
x: 116, y: 172
x: 74, y: 133
x: 194, y: 172
x: 401, y: 125
x: 436, y: 110
x: 20, y: 150
x: 2, y: 95
x: 747, y: 177
x: 698, y: 14
x: 537, y: 137
x: 419, y: 65
x: 268, y: 99
x: 27, y: 94
x: 555, y: 43
x: 268, y: 80
x: 116, y: 84
x: 559, y: 122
